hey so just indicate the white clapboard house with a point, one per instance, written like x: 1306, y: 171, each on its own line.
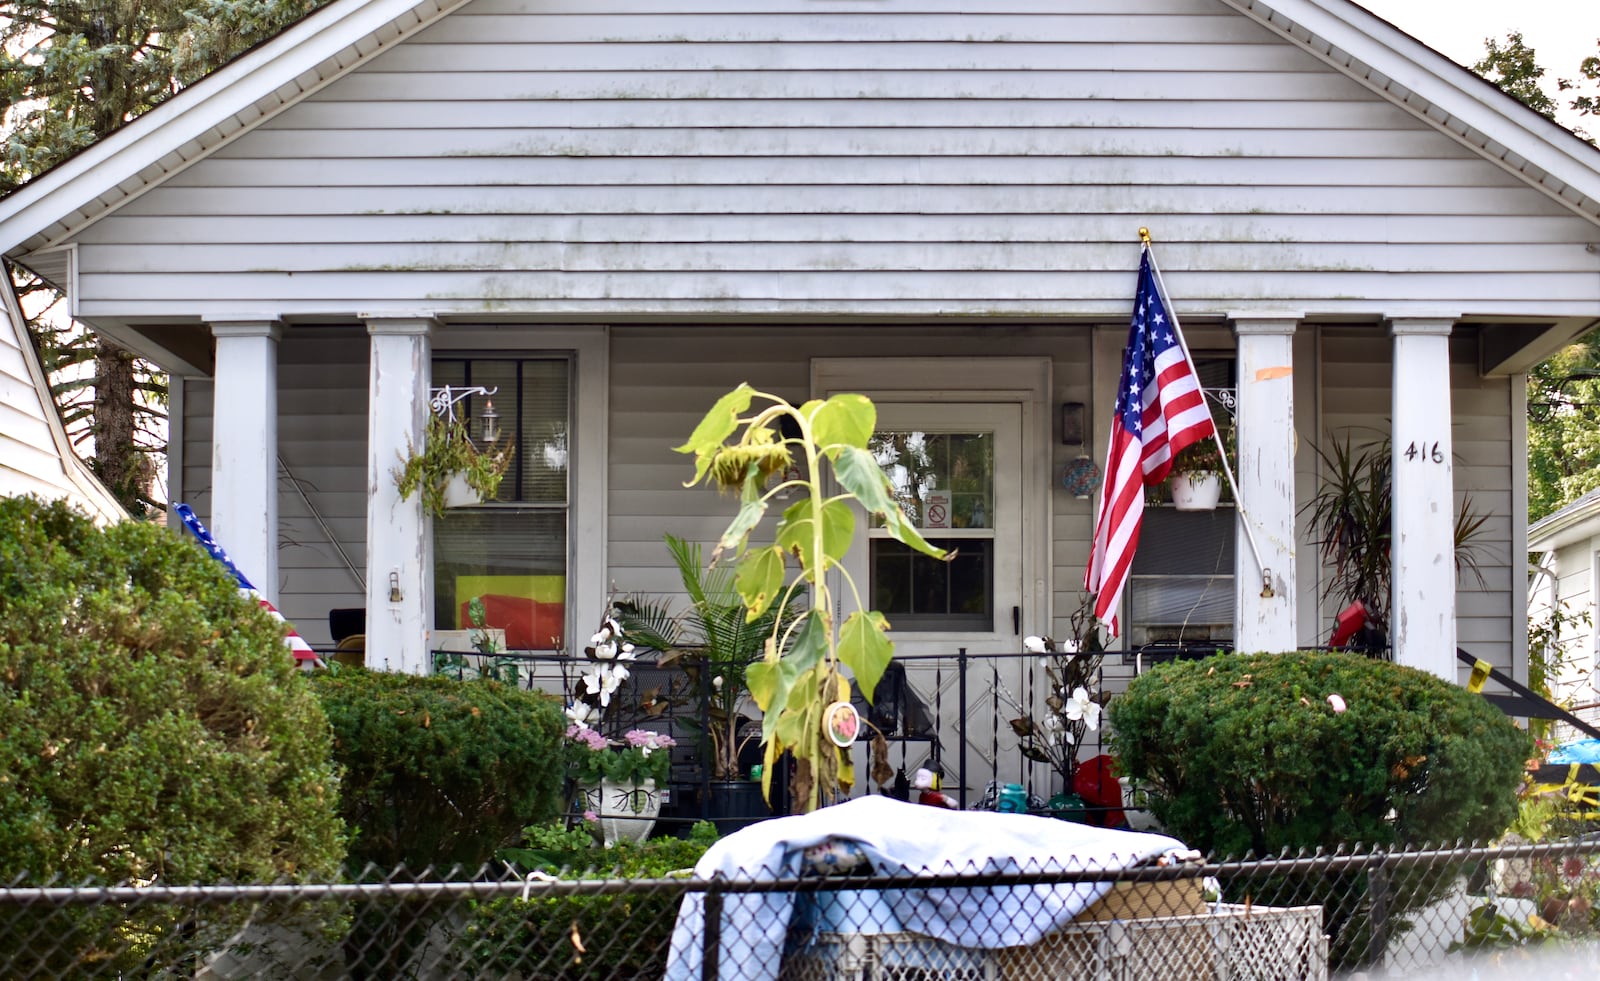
x: 613, y: 211
x: 36, y: 456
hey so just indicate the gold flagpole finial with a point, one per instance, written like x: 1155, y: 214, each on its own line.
x: 1144, y: 236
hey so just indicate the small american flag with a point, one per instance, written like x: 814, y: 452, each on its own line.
x: 1160, y: 410
x: 297, y: 645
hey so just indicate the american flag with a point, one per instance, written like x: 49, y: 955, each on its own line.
x: 297, y: 645
x: 1160, y: 410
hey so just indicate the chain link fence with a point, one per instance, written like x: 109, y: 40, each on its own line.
x: 1418, y: 913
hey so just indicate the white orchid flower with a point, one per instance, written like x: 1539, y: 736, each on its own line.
x: 717, y: 682
x: 626, y: 653
x: 581, y: 714
x: 1068, y: 646
x: 605, y: 650
x: 603, y: 681
x: 1033, y: 645
x: 1081, y: 706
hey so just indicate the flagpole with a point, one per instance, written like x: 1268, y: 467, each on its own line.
x: 1216, y: 436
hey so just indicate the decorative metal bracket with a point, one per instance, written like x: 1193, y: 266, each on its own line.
x: 443, y: 399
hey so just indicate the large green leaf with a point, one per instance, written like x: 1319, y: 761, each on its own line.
x: 858, y: 473
x: 844, y: 419
x: 715, y: 428
x: 760, y: 579
x: 865, y: 649
x: 809, y: 644
x: 795, y: 533
x: 750, y: 515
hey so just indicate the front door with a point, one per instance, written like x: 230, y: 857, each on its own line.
x: 955, y: 468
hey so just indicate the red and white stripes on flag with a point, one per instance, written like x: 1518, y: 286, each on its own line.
x: 303, y: 654
x: 1160, y: 410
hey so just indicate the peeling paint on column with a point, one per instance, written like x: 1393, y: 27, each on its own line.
x: 397, y: 529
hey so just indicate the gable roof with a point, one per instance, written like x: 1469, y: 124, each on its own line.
x: 331, y: 42
x: 36, y: 457
x: 1577, y: 521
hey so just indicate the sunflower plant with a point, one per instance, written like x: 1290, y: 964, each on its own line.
x: 742, y: 449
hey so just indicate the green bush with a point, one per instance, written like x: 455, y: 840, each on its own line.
x: 1245, y: 753
x: 627, y: 935
x: 152, y: 723
x: 437, y: 771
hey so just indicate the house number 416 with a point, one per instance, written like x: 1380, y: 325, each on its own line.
x: 1425, y: 453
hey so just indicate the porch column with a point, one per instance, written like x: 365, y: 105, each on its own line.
x: 1422, y: 615
x: 1266, y: 485
x: 399, y: 536
x: 244, y: 448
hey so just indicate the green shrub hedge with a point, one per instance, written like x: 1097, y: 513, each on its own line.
x: 437, y: 771
x: 627, y: 935
x: 1245, y: 753
x: 153, y: 727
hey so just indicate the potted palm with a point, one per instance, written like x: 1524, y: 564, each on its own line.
x: 1351, y: 516
x: 450, y: 470
x: 714, y: 641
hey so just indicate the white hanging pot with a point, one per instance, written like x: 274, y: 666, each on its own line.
x: 460, y: 494
x: 1196, y: 490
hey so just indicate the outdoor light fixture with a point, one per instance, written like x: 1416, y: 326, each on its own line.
x: 491, y: 422
x: 1072, y: 423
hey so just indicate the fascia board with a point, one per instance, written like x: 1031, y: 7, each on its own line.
x: 246, y: 91
x: 1432, y: 87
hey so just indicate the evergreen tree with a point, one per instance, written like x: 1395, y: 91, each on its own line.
x: 72, y: 71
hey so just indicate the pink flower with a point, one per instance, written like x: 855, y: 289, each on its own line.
x: 590, y: 816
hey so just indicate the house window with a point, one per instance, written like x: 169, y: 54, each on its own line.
x: 511, y: 553
x: 941, y: 481
x: 1180, y: 587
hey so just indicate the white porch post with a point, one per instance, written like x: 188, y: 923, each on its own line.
x: 244, y: 448
x: 399, y: 537
x: 1266, y: 485
x: 1422, y: 618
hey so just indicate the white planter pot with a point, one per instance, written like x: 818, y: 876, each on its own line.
x: 1196, y: 491
x: 627, y: 811
x: 459, y: 494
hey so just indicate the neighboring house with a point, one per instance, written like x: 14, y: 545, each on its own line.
x: 1567, y: 567
x: 615, y: 211
x: 35, y: 455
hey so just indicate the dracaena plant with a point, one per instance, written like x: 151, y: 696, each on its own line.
x: 741, y: 446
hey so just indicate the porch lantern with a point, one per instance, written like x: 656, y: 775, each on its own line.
x: 491, y: 423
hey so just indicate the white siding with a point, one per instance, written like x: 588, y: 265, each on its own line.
x: 35, y: 456
x: 1572, y: 585
x: 802, y: 157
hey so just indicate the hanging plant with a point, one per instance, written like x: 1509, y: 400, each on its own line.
x: 448, y: 452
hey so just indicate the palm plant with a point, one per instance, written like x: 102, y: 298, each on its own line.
x: 1351, y: 517
x: 715, y: 642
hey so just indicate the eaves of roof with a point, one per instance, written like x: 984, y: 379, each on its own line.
x: 237, y: 97
x: 1575, y: 522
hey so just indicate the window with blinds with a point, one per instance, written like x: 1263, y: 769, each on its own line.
x: 1180, y: 587
x: 511, y: 553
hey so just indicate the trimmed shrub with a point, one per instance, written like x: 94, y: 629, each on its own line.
x: 437, y: 771
x: 627, y: 935
x: 1245, y: 753
x: 154, y: 725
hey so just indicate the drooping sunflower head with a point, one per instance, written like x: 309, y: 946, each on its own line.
x: 760, y: 450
